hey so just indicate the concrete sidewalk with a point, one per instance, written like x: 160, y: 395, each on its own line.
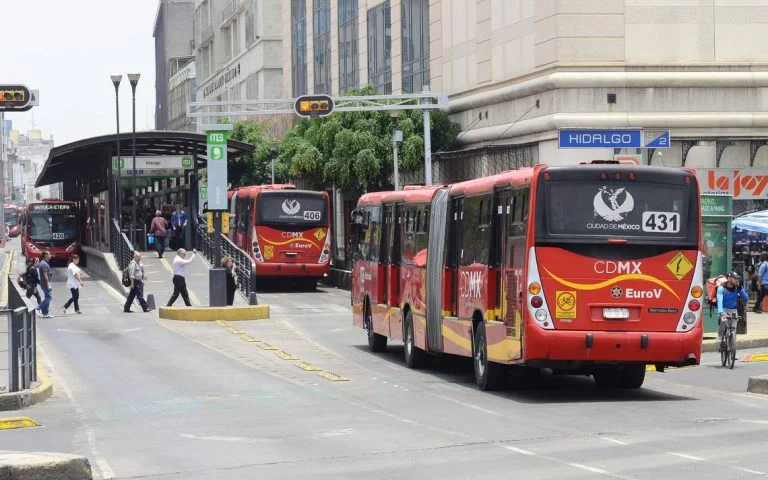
x: 756, y: 336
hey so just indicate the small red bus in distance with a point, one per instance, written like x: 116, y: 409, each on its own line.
x: 590, y: 269
x: 285, y: 230
x: 13, y: 220
x: 52, y: 225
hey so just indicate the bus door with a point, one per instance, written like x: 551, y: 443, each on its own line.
x: 385, y: 251
x: 395, y: 255
x: 453, y: 258
x: 509, y: 278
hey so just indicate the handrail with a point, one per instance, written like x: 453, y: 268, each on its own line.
x: 119, y: 245
x: 245, y: 266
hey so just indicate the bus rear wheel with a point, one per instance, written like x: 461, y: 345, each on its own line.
x: 633, y: 376
x: 629, y: 376
x: 488, y: 375
x: 414, y: 357
x: 377, y: 343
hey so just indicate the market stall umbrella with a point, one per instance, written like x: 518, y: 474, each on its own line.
x: 752, y: 222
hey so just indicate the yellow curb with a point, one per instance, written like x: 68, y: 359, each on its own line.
x: 211, y: 314
x: 12, y: 423
x: 755, y: 357
x: 309, y: 367
x: 44, y: 389
x: 333, y: 377
x: 286, y: 355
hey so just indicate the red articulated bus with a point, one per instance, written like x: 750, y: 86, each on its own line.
x: 13, y: 220
x: 53, y: 225
x: 589, y: 269
x: 285, y: 230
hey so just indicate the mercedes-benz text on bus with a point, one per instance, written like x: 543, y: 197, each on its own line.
x: 285, y: 230
x: 590, y: 269
x: 51, y: 225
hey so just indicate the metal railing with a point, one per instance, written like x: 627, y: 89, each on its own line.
x: 22, y: 332
x: 245, y: 267
x: 120, y: 245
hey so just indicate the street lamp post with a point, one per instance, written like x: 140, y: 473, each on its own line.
x: 397, y: 136
x: 118, y: 197
x: 134, y: 79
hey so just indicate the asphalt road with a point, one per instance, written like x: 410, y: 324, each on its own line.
x: 145, y: 398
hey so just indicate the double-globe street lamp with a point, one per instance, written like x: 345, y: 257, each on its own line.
x: 118, y: 209
x: 134, y: 79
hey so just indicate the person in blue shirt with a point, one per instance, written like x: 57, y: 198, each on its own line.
x: 728, y: 295
x: 762, y: 283
x: 178, y: 223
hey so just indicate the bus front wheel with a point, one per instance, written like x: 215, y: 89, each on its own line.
x: 414, y: 357
x: 488, y: 375
x: 377, y: 343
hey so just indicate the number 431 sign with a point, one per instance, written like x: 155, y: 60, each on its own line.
x: 661, y: 222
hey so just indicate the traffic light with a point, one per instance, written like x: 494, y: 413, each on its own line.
x: 225, y: 222
x: 313, y: 106
x: 15, y: 98
x: 209, y: 222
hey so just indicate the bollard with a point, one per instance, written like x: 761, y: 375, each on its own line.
x: 252, y: 299
x: 151, y: 301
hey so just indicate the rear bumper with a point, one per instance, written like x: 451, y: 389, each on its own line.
x: 291, y: 270
x: 668, y: 348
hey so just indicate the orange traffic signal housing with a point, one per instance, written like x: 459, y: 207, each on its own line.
x: 14, y: 98
x: 314, y: 105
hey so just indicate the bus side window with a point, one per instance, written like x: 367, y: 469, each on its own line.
x: 483, y: 235
x: 373, y: 233
x: 469, y: 235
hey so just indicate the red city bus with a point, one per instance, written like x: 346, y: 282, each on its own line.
x: 52, y: 225
x: 589, y: 269
x: 13, y: 220
x: 285, y: 230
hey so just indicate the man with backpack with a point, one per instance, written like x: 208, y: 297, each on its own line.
x: 728, y: 295
x: 762, y: 283
x: 136, y: 279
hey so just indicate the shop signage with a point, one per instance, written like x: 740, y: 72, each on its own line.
x: 716, y: 205
x: 741, y: 183
x: 223, y: 80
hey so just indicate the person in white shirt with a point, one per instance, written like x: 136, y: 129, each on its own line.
x: 74, y: 282
x: 179, y: 276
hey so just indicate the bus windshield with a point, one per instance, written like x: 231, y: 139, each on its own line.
x: 53, y: 226
x: 307, y: 209
x: 645, y: 212
x: 11, y: 218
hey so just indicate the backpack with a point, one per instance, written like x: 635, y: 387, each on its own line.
x: 712, y: 285
x: 127, y: 276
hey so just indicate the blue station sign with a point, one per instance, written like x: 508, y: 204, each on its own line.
x: 613, y: 138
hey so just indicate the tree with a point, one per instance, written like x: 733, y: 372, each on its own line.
x: 353, y: 150
x: 254, y: 168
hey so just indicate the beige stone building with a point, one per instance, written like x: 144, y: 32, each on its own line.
x: 696, y: 67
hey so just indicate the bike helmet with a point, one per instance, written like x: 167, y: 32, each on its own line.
x: 733, y: 275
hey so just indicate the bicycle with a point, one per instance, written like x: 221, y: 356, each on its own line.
x: 728, y: 342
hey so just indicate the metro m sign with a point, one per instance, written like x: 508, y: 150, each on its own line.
x: 742, y: 183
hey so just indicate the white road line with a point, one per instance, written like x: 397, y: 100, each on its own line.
x: 689, y: 457
x: 520, y: 451
x: 613, y: 440
x: 103, y: 467
x: 580, y: 466
x: 589, y: 469
x: 469, y: 405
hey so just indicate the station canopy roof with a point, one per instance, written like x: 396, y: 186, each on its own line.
x: 85, y: 158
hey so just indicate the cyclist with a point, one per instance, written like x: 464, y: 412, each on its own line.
x: 727, y: 301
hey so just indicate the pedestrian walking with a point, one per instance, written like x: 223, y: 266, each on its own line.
x: 138, y: 278
x: 762, y: 281
x: 45, y: 284
x: 74, y: 282
x: 229, y: 266
x: 179, y: 223
x: 32, y: 280
x: 180, y: 276
x: 159, y: 228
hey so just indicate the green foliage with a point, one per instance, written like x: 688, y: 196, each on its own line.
x: 354, y: 149
x: 250, y: 169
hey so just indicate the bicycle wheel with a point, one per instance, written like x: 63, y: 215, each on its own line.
x: 731, y: 351
x: 724, y: 351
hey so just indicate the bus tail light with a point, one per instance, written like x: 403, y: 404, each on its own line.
x: 32, y: 247
x: 691, y: 313
x: 72, y: 247
x: 257, y: 250
x: 537, y: 302
x: 326, y: 250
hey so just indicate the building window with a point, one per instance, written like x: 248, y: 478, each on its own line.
x: 415, y: 20
x: 235, y: 38
x: 348, y: 63
x: 299, y: 46
x: 250, y: 24
x: 322, y: 45
x: 380, y: 48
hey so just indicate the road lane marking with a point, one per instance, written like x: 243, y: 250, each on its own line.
x: 749, y: 470
x: 12, y: 423
x: 308, y: 367
x: 234, y: 331
x: 333, y: 377
x: 222, y: 323
x: 70, y: 330
x: 579, y: 466
x: 689, y: 457
x: 218, y: 438
x: 286, y: 355
x: 613, y: 440
x: 590, y: 469
x: 264, y: 345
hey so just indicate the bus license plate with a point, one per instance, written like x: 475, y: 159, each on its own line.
x: 615, y: 313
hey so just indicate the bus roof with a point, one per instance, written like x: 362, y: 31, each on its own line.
x: 409, y: 194
x: 514, y: 178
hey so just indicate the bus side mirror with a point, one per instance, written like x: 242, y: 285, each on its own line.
x: 357, y: 217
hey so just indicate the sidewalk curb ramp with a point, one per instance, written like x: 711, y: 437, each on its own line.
x: 758, y: 384
x: 741, y: 344
x: 211, y: 314
x: 26, y: 398
x: 44, y: 466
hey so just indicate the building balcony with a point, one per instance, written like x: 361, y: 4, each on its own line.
x: 232, y: 8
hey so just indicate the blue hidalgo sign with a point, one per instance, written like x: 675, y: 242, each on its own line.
x: 613, y: 138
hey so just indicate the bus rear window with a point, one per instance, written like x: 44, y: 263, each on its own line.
x: 282, y: 208
x: 616, y: 209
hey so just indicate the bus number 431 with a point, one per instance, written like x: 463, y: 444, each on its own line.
x: 661, y: 222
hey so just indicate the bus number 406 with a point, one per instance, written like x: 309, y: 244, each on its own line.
x: 313, y: 215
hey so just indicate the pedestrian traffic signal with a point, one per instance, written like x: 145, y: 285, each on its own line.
x: 15, y: 98
x: 313, y: 106
x: 225, y: 222
x: 209, y: 222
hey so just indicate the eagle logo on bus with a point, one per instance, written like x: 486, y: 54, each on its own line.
x: 291, y: 207
x: 615, y: 211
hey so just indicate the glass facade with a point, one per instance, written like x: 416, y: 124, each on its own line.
x: 299, y: 47
x: 321, y: 31
x: 415, y: 21
x: 380, y: 47
x: 348, y: 56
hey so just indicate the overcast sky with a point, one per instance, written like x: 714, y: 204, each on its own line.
x: 67, y: 49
